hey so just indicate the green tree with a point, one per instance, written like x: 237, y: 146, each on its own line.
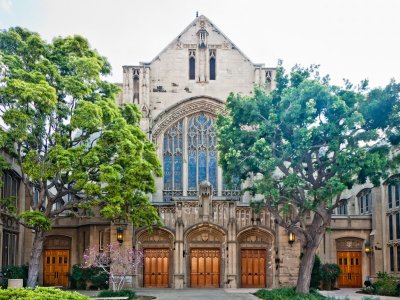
x: 305, y: 142
x: 381, y: 109
x: 75, y: 146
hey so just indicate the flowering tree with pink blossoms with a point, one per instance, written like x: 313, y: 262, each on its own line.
x: 116, y: 261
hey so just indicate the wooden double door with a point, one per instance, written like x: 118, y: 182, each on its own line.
x: 204, y: 268
x: 350, y: 269
x: 156, y: 268
x: 253, y: 268
x: 56, y: 268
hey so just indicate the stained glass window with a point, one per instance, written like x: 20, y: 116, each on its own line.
x: 173, y: 158
x: 202, y: 150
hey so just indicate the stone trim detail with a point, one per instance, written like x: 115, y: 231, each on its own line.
x: 185, y: 108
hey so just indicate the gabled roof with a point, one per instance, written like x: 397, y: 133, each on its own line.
x: 202, y: 17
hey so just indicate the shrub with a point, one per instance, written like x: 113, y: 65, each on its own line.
x: 287, y: 294
x: 121, y: 293
x: 386, y: 285
x: 13, y: 272
x: 329, y: 274
x: 315, y: 273
x: 368, y: 290
x: 88, y: 277
x: 40, y: 293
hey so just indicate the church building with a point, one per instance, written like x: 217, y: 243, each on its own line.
x: 211, y: 236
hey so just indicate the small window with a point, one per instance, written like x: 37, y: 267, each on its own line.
x: 268, y: 77
x: 135, y: 85
x: 365, y: 201
x: 212, y: 64
x: 398, y: 226
x: 391, y: 259
x: 342, y: 208
x: 390, y: 227
x: 192, y: 64
x: 101, y: 241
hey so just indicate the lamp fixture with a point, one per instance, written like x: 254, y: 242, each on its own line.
x: 120, y: 234
x: 292, y: 238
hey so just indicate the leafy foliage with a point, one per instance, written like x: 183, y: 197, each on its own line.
x: 315, y: 273
x: 13, y: 272
x: 40, y: 293
x: 329, y: 273
x: 304, y: 143
x: 386, y: 285
x: 75, y: 146
x: 88, y: 277
x: 121, y: 293
x: 287, y: 294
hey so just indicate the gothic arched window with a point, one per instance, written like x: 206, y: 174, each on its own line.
x: 173, y: 157
x: 212, y: 64
x: 192, y: 64
x: 202, y: 151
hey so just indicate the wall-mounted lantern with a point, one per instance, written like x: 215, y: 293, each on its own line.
x: 120, y: 234
x: 367, y: 248
x: 292, y: 238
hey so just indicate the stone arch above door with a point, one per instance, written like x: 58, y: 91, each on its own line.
x: 57, y: 242
x: 157, y: 237
x: 349, y: 244
x: 205, y: 234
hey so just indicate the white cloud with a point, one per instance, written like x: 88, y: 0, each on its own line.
x: 6, y: 6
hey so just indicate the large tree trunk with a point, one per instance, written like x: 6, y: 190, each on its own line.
x: 306, y: 266
x: 37, y: 250
x: 307, y: 260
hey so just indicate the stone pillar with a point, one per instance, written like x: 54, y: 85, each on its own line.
x: 179, y: 277
x: 232, y: 254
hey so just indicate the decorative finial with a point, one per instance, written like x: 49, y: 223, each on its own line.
x: 197, y: 14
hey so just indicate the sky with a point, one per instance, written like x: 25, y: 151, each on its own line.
x: 352, y: 39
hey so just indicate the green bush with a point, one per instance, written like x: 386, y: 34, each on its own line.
x: 315, y: 273
x: 13, y: 272
x: 88, y: 277
x: 287, y: 294
x: 40, y: 293
x: 386, y: 285
x: 329, y: 273
x: 121, y: 293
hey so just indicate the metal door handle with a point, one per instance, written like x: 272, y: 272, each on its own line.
x: 153, y: 274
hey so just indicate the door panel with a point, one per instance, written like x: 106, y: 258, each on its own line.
x: 350, y: 268
x: 155, y: 268
x: 253, y: 268
x: 204, y: 268
x: 56, y: 268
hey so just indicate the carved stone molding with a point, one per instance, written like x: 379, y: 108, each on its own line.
x: 350, y: 243
x: 57, y: 242
x: 185, y: 108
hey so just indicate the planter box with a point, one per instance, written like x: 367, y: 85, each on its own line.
x: 15, y: 283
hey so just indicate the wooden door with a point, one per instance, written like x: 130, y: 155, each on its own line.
x: 56, y: 268
x: 350, y: 269
x: 204, y: 268
x: 253, y: 268
x: 155, y: 269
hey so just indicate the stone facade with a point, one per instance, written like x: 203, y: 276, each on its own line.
x: 211, y: 236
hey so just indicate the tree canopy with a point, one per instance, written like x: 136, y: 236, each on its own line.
x: 306, y: 141
x: 77, y: 149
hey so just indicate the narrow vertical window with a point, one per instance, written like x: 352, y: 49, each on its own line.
x: 212, y: 64
x: 397, y: 193
x: 361, y: 204
x: 268, y: 77
x: 390, y: 227
x: 202, y: 151
x: 135, y: 85
x: 192, y: 64
x: 390, y: 195
x: 398, y: 226
x: 101, y: 241
x: 398, y: 258
x: 391, y: 259
x: 173, y: 161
